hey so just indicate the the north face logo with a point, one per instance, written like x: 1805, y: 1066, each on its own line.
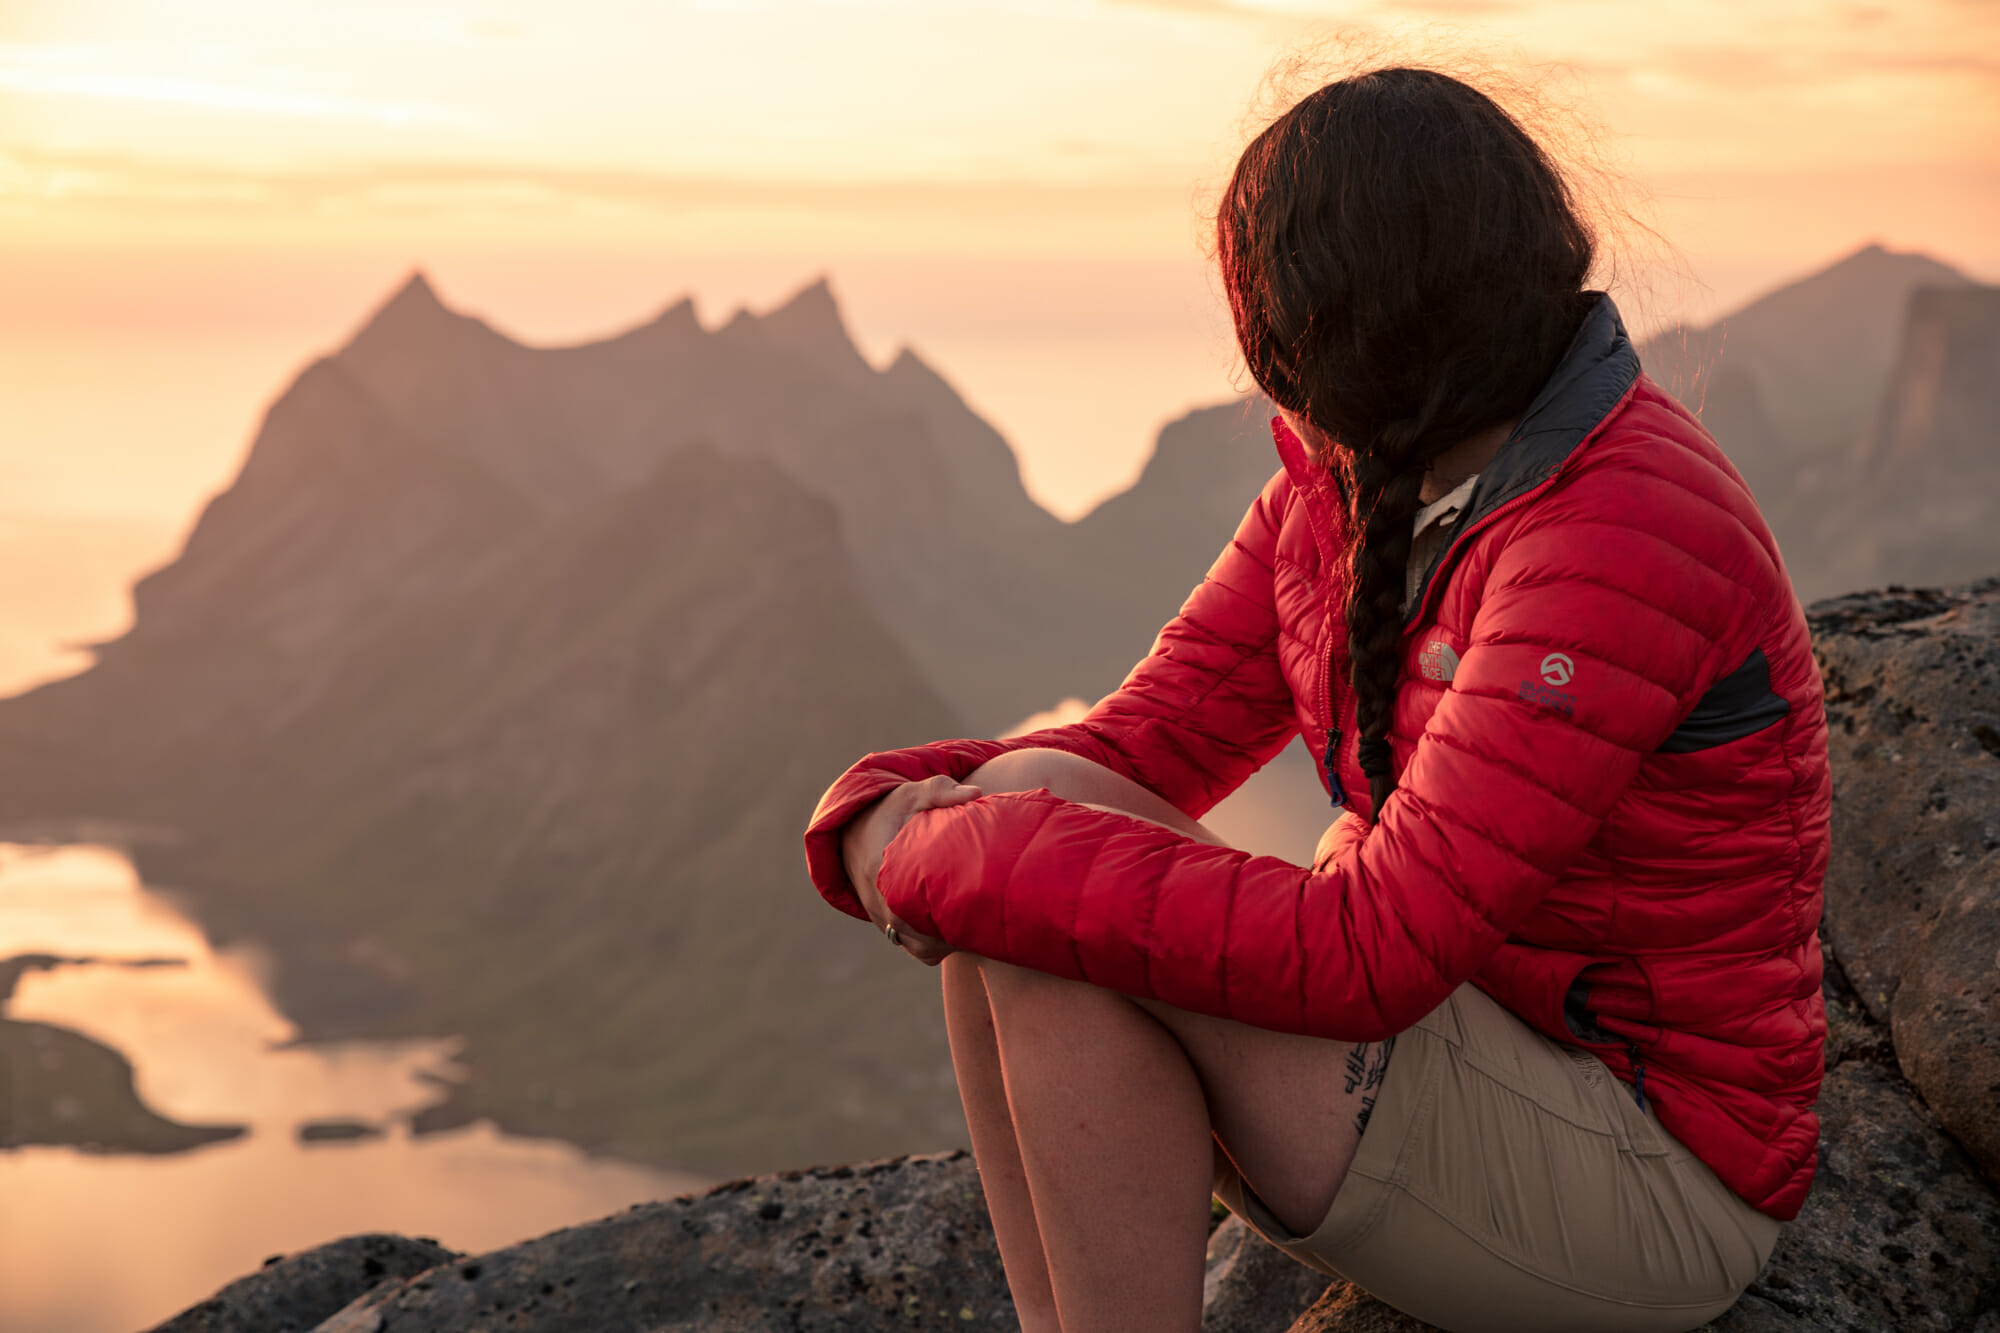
x: 1557, y: 669
x: 1437, y: 661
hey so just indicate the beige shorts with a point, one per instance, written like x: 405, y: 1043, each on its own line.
x: 1506, y: 1182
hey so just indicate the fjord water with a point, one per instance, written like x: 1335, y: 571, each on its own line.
x: 98, y: 1239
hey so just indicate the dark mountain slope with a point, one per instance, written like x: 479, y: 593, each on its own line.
x: 337, y: 522
x: 1149, y: 546
x: 559, y: 812
x: 1921, y: 499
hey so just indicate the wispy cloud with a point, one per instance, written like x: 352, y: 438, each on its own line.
x: 48, y: 80
x: 123, y: 180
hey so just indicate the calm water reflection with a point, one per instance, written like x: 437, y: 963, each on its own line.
x: 92, y: 1241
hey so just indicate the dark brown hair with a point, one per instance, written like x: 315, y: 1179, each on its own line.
x: 1405, y: 266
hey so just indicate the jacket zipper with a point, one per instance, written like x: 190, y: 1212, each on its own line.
x: 1335, y: 791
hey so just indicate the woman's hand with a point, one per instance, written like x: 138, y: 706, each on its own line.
x: 868, y: 835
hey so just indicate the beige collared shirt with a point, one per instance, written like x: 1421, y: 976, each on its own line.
x: 1435, y: 523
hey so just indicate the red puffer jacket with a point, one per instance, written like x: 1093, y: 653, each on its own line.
x: 1613, y: 804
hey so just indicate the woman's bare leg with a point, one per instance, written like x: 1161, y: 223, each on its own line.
x: 1114, y: 1137
x: 1109, y: 1105
x: 975, y: 1057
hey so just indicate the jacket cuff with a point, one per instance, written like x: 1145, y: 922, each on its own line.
x: 855, y: 790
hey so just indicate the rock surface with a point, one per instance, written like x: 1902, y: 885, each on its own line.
x: 1913, y: 888
x: 1251, y: 1286
x: 1947, y: 1013
x: 896, y: 1244
x: 297, y: 1292
x: 1898, y: 1232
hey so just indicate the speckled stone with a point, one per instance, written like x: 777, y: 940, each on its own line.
x: 296, y: 1292
x: 897, y: 1244
x: 1913, y: 888
x: 1251, y: 1286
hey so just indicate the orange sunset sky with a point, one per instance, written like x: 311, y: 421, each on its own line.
x: 197, y: 196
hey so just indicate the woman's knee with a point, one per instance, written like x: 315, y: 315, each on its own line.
x: 1057, y: 770
x: 1010, y: 981
x: 1013, y: 989
x: 1075, y: 778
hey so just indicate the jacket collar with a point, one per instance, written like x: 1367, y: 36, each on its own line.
x: 1593, y: 377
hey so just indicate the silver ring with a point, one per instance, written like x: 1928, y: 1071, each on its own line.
x: 889, y: 932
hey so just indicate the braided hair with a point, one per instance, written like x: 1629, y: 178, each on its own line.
x: 1405, y: 267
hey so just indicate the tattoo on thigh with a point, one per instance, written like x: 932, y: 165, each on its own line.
x: 1367, y: 1062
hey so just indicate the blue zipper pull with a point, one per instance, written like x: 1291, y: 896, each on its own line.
x: 1638, y: 1076
x: 1333, y: 786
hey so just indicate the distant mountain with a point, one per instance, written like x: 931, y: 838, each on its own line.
x: 1792, y: 386
x: 1815, y: 352
x: 1924, y: 507
x: 1149, y: 546
x: 495, y: 691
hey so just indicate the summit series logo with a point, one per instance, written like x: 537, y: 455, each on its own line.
x: 1557, y: 670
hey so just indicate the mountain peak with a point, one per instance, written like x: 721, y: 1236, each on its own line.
x: 411, y: 323
x: 908, y: 365
x: 418, y: 286
x: 673, y: 325
x: 1875, y: 257
x: 811, y: 313
x: 415, y: 299
x: 811, y: 325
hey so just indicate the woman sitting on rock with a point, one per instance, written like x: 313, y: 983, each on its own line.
x: 1534, y: 1042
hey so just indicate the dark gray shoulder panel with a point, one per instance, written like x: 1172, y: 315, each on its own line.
x: 1741, y: 704
x: 1592, y: 376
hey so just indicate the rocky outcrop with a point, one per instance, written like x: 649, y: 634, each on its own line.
x: 1898, y: 1231
x: 293, y: 1293
x: 1913, y: 889
x: 1251, y: 1286
x: 891, y: 1244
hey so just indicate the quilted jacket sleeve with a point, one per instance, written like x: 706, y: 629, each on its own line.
x: 1511, y: 779
x: 1204, y: 710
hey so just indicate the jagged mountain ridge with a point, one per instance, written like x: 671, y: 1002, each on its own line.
x: 951, y: 551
